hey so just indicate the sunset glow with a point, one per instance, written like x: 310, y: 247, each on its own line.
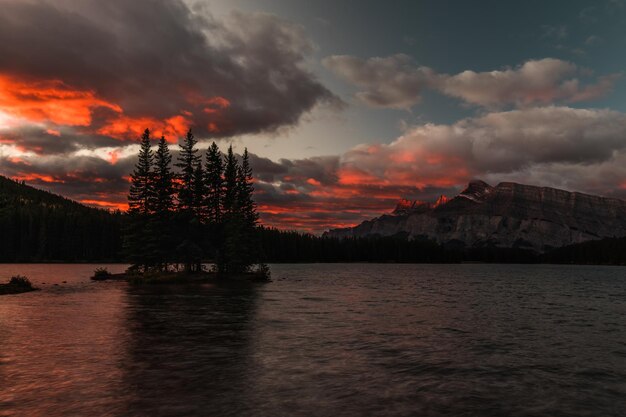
x: 395, y: 124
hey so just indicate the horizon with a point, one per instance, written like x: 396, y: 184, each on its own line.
x: 343, y: 114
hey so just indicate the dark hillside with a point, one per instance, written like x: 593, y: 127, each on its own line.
x: 37, y: 226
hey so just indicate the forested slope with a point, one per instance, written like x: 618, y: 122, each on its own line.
x: 36, y: 225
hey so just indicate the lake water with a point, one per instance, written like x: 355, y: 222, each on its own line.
x: 321, y: 340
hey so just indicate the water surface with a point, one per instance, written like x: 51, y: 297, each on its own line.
x: 321, y: 340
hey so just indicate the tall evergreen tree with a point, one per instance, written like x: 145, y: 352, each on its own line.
x: 214, y: 182
x: 161, y: 223
x: 233, y: 223
x: 246, y: 191
x: 141, y: 187
x: 187, y: 161
x: 247, y: 215
x: 137, y: 243
x: 163, y: 180
x: 231, y: 177
x: 199, y: 193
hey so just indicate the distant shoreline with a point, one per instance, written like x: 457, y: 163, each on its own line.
x: 332, y: 262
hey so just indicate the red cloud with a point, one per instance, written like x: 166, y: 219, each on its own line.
x: 49, y: 100
x: 110, y: 205
x: 54, y: 101
x: 126, y: 127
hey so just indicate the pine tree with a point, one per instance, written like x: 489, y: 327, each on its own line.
x: 199, y: 193
x: 214, y: 182
x: 163, y: 180
x: 141, y: 187
x: 231, y: 167
x: 246, y: 191
x: 163, y: 196
x: 233, y: 247
x: 137, y: 242
x: 186, y: 222
x: 248, y: 217
x: 187, y: 161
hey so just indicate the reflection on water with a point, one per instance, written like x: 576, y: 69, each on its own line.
x: 190, y: 349
x: 320, y: 340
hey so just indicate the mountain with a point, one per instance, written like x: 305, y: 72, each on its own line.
x: 508, y: 215
x: 36, y: 225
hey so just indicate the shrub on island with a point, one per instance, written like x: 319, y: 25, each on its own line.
x: 16, y: 285
x: 101, y: 274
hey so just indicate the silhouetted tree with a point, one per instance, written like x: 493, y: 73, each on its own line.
x: 247, y: 214
x: 231, y: 189
x: 232, y: 221
x: 214, y: 182
x: 163, y: 196
x: 199, y: 193
x: 187, y: 161
x: 138, y: 244
x: 246, y: 192
x: 187, y: 246
x: 141, y: 187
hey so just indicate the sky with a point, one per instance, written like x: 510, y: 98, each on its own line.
x: 346, y: 106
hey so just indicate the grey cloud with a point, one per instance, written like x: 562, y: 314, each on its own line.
x: 508, y: 141
x: 58, y: 141
x: 535, y: 82
x: 396, y: 82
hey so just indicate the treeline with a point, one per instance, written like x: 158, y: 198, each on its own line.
x: 37, y: 226
x: 281, y: 246
x: 204, y: 212
x: 611, y: 251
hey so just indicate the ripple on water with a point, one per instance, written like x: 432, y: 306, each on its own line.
x: 340, y: 340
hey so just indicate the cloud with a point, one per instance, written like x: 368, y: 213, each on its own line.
x: 396, y: 82
x: 393, y: 81
x: 112, y: 66
x: 502, y: 142
x: 540, y: 82
x: 576, y: 149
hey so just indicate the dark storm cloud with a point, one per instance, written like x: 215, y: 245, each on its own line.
x: 158, y: 59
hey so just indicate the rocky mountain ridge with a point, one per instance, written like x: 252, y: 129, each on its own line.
x: 509, y: 215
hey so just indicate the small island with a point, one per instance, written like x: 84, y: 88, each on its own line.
x: 180, y: 221
x: 17, y: 285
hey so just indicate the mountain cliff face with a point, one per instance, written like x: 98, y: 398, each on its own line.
x: 508, y: 215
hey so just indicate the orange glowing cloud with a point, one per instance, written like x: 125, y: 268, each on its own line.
x: 210, y: 103
x: 38, y: 178
x: 110, y: 205
x: 113, y: 157
x: 54, y: 101
x: 126, y: 127
x: 49, y: 100
x: 354, y: 176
